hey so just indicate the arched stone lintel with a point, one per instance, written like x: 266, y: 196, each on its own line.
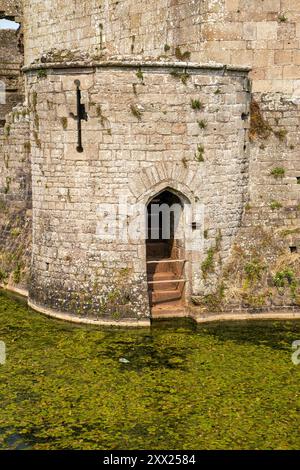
x: 165, y: 175
x: 181, y: 190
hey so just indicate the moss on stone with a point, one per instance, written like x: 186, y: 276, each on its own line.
x: 278, y: 172
x: 199, y: 155
x: 64, y: 123
x: 281, y: 134
x: 259, y: 127
x: 182, y: 56
x: 34, y: 99
x: 41, y: 73
x: 135, y: 112
x: 208, y: 264
x: 182, y: 76
x: 27, y: 146
x: 275, y: 205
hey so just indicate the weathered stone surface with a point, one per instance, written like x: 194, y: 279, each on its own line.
x: 121, y: 158
x: 250, y: 192
x: 11, y: 82
x: 230, y: 32
x: 11, y: 9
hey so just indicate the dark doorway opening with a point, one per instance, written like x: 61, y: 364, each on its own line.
x: 164, y: 212
x: 165, y: 252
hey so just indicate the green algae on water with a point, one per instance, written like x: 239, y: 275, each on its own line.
x: 215, y: 386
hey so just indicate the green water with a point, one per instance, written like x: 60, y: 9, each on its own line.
x: 216, y: 386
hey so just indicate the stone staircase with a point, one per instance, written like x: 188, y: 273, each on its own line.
x: 165, y: 280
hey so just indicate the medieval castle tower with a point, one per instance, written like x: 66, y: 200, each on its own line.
x: 115, y: 104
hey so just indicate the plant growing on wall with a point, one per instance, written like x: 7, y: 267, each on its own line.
x: 34, y: 99
x: 42, y: 73
x: 36, y: 139
x: 17, y: 274
x: 281, y: 134
x: 64, y: 123
x: 7, y: 184
x: 6, y: 160
x: 183, y: 56
x: 6, y: 130
x: 254, y: 270
x: 275, y: 205
x: 284, y: 278
x: 199, y: 155
x: 202, y: 124
x: 140, y: 75
x: 208, y: 264
x: 184, y: 162
x: 183, y: 76
x: 282, y: 18
x: 136, y: 111
x: 197, y: 105
x: 278, y: 172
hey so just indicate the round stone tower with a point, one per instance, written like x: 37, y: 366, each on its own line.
x: 125, y: 117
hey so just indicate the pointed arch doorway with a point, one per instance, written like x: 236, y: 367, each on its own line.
x: 165, y: 250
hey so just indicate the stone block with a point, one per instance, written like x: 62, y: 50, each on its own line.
x: 283, y: 57
x: 267, y: 30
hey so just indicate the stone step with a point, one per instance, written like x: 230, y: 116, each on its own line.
x: 165, y: 265
x: 166, y: 306
x: 161, y: 276
x: 164, y: 260
x: 170, y: 310
x: 168, y: 283
x: 159, y: 296
x: 160, y: 281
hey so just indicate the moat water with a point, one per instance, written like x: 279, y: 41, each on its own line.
x: 176, y: 386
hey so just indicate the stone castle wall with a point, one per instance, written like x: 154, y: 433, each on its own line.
x: 15, y: 165
x: 262, y: 34
x: 11, y: 9
x: 142, y: 135
x: 11, y: 59
x: 15, y: 199
x: 15, y: 172
x: 109, y: 28
x: 10, y: 63
x: 15, y: 148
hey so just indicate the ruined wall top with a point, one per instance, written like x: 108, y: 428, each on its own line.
x: 11, y: 9
x: 11, y: 58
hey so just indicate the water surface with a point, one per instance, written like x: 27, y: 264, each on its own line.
x: 215, y: 386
